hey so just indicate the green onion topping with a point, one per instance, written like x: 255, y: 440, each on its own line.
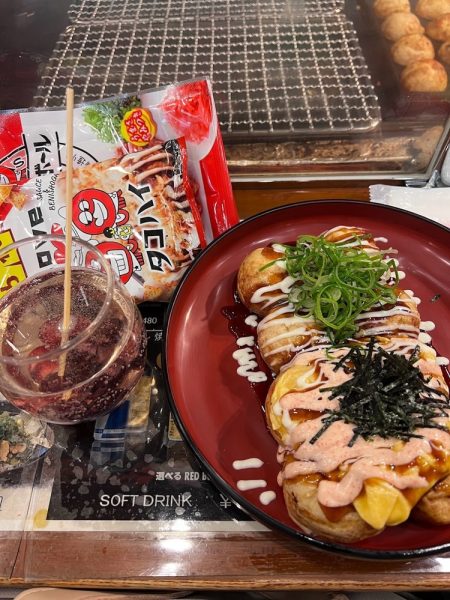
x: 337, y: 282
x: 387, y: 396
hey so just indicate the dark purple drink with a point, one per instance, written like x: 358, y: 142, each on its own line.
x: 94, y: 370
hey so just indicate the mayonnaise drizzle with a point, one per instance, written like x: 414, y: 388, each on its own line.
x: 246, y: 360
x: 424, y: 337
x: 251, y: 321
x: 250, y: 484
x: 247, y: 463
x: 246, y: 341
x: 264, y: 293
x: 281, y: 329
x: 267, y: 497
x: 279, y: 248
x: 413, y: 297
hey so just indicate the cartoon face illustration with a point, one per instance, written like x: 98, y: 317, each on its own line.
x: 95, y: 210
x: 122, y: 261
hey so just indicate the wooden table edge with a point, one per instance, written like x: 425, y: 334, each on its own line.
x: 432, y: 582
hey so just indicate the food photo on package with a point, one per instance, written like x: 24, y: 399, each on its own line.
x: 150, y: 186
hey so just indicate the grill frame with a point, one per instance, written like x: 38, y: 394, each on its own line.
x: 276, y: 73
x: 82, y: 11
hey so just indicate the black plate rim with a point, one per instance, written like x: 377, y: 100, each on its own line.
x: 241, y: 502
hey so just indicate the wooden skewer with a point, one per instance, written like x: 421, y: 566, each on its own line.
x: 68, y: 253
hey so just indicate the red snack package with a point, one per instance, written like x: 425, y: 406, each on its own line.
x: 189, y: 111
x: 32, y: 143
x: 138, y: 209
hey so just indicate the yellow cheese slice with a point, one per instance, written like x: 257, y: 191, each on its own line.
x: 381, y: 504
x: 290, y: 381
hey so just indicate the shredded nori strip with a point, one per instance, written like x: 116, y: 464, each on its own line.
x: 388, y: 396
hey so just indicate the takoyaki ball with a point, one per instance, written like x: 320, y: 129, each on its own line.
x: 444, y: 53
x: 439, y: 29
x: 304, y: 509
x: 400, y: 320
x: 424, y: 76
x: 411, y: 48
x: 399, y: 24
x: 432, y: 9
x: 260, y: 288
x: 282, y: 333
x: 434, y: 507
x: 384, y: 8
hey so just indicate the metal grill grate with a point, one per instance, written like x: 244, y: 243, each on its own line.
x: 272, y: 74
x: 82, y: 11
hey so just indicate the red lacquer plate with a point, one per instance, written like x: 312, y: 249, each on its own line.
x: 220, y: 413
